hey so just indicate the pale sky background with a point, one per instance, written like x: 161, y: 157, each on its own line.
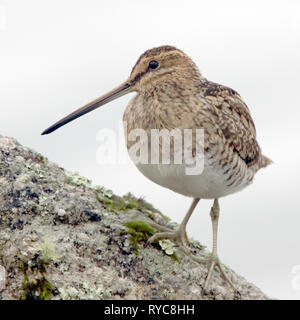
x: 56, y: 56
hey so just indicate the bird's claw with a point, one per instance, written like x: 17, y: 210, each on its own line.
x: 147, y: 244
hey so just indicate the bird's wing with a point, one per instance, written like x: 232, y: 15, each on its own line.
x: 233, y: 118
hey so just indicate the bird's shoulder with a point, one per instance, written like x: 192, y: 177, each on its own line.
x: 232, y: 116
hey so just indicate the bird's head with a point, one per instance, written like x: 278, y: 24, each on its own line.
x: 159, y: 65
x: 154, y: 69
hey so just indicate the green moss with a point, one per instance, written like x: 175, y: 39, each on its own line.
x: 140, y: 226
x: 35, y: 284
x: 107, y: 201
x: 139, y: 232
x: 142, y: 205
x: 131, y: 205
x: 116, y: 204
x: 39, y: 289
x: 138, y: 203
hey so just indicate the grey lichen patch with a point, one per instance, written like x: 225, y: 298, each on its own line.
x: 87, y: 291
x: 76, y: 179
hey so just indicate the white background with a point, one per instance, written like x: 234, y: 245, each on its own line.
x: 56, y: 56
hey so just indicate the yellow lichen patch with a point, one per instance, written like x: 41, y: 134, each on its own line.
x: 48, y: 251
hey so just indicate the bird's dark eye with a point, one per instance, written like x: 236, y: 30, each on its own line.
x: 153, y: 64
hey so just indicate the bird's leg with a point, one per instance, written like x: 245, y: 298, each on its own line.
x: 179, y: 234
x: 214, y: 259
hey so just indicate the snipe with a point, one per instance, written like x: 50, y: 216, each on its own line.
x: 172, y: 94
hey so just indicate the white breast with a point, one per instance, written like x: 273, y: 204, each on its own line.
x: 210, y: 184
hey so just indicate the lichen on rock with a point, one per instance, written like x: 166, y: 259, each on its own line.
x: 80, y: 236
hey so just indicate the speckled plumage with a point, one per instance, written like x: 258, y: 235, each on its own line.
x: 178, y: 96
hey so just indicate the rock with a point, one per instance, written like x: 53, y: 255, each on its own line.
x: 63, y: 238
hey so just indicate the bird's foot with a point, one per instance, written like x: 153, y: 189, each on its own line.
x: 178, y: 236
x: 214, y: 261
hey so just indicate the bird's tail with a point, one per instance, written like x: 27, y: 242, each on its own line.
x: 264, y: 161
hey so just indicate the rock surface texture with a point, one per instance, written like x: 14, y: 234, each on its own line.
x: 63, y: 238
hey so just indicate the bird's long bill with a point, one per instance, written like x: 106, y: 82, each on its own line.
x: 111, y: 95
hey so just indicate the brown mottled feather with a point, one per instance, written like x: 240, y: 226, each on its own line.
x: 235, y: 121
